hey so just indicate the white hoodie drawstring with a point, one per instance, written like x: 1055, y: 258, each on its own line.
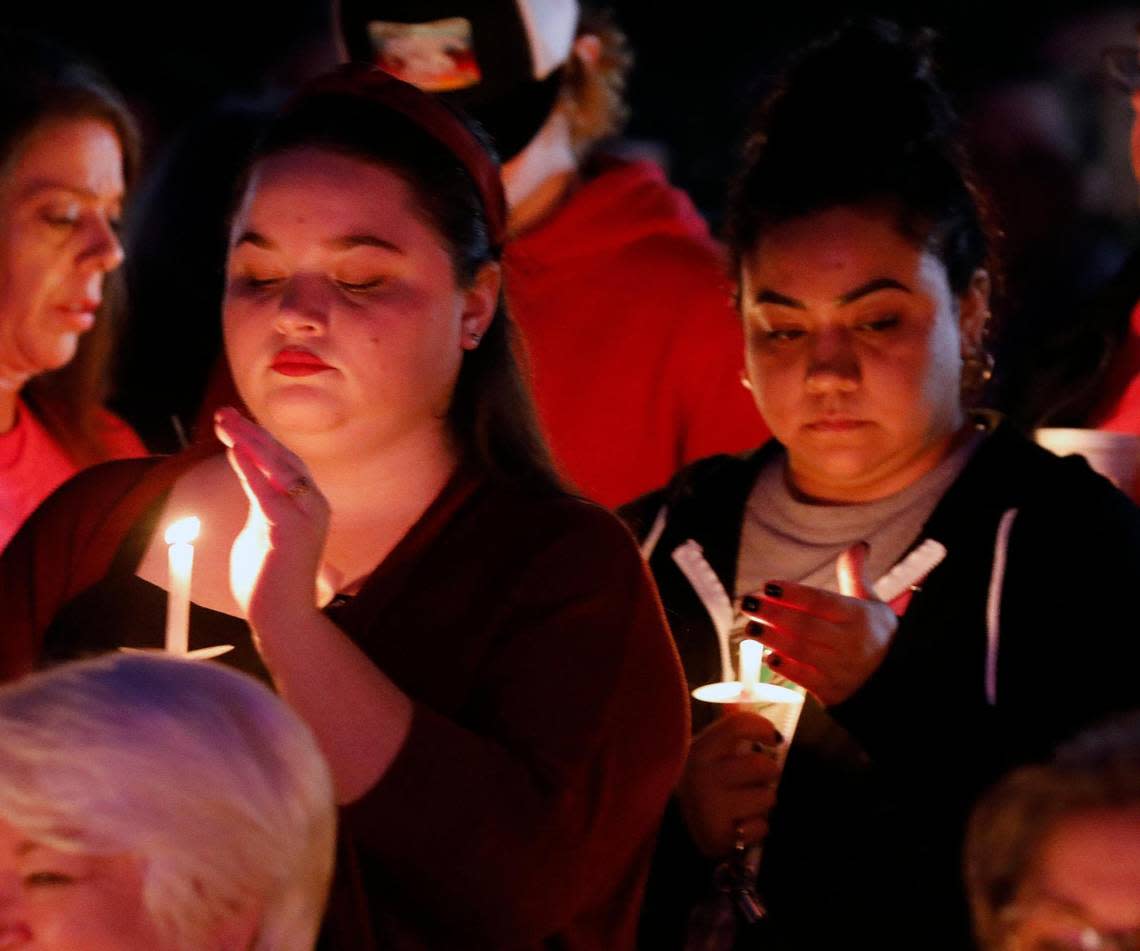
x: 993, y: 604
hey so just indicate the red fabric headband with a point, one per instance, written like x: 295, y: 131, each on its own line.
x: 436, y: 118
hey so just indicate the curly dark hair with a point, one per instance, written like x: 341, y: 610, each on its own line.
x: 859, y: 118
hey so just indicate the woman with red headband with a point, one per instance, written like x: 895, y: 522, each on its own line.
x: 480, y: 655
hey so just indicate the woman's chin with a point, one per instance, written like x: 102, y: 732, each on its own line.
x: 285, y: 415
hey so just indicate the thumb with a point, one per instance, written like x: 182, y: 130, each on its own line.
x: 851, y: 572
x: 329, y: 580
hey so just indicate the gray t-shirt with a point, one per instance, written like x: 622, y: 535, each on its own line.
x: 785, y: 537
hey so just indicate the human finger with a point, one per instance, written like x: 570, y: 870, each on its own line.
x: 750, y: 831
x: 254, y: 482
x: 722, y: 738
x: 283, y: 467
x: 715, y: 815
x: 851, y: 572
x: 754, y: 770
x: 812, y: 679
x: 798, y: 597
x: 803, y: 636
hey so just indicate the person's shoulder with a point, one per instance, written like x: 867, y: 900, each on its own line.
x: 81, y: 506
x: 93, y: 494
x: 118, y: 436
x: 1062, y: 495
x: 657, y: 223
x: 710, y: 479
x: 552, y: 513
x: 111, y: 478
x: 1030, y: 474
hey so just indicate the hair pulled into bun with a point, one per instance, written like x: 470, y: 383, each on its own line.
x: 859, y: 118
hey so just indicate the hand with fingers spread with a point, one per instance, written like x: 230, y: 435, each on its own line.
x: 276, y: 558
x: 828, y: 643
x: 729, y: 784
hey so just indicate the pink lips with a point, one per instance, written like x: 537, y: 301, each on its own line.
x: 296, y: 362
x: 80, y: 316
x: 837, y: 424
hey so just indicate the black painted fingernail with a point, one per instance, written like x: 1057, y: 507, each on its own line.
x: 749, y: 603
x: 773, y: 590
x: 774, y: 660
x: 754, y: 629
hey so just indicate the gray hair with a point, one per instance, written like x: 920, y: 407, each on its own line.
x: 198, y: 770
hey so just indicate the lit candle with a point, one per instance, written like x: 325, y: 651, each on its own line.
x: 180, y: 537
x: 751, y: 654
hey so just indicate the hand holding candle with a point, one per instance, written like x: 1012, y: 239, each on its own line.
x: 728, y: 790
x: 180, y: 537
x: 780, y: 704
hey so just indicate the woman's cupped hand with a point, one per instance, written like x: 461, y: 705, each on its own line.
x: 828, y: 643
x: 275, y: 563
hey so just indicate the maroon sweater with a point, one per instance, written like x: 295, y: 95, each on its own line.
x: 550, y: 716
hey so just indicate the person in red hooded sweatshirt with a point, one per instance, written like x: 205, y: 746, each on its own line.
x: 619, y: 290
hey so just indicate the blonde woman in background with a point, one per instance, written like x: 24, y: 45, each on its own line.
x: 149, y: 803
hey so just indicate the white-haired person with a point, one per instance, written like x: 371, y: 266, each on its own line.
x: 151, y: 803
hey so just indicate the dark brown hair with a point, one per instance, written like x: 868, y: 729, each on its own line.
x: 39, y: 83
x: 491, y: 416
x: 859, y: 118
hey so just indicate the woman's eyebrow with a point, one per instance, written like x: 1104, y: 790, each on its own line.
x: 49, y: 185
x: 344, y: 243
x: 255, y: 238
x: 768, y: 296
x: 350, y: 241
x: 878, y: 284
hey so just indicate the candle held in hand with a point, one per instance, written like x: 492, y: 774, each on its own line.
x: 180, y: 537
x: 751, y: 654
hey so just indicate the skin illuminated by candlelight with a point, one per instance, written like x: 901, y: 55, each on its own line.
x: 59, y: 209
x: 62, y: 901
x: 855, y: 344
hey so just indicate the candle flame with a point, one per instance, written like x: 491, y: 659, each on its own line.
x: 184, y: 531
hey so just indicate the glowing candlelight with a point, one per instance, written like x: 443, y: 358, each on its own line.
x: 751, y: 654
x: 180, y: 537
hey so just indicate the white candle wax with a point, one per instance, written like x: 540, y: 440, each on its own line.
x: 180, y: 537
x: 751, y: 654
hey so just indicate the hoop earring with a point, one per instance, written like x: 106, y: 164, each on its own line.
x: 977, y: 371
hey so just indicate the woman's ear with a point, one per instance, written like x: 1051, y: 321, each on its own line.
x: 588, y: 48
x: 974, y: 312
x: 480, y: 301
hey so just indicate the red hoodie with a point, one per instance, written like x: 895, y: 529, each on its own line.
x: 635, y: 349
x: 1119, y: 408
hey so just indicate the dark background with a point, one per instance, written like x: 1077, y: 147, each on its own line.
x: 698, y: 67
x: 1051, y: 137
